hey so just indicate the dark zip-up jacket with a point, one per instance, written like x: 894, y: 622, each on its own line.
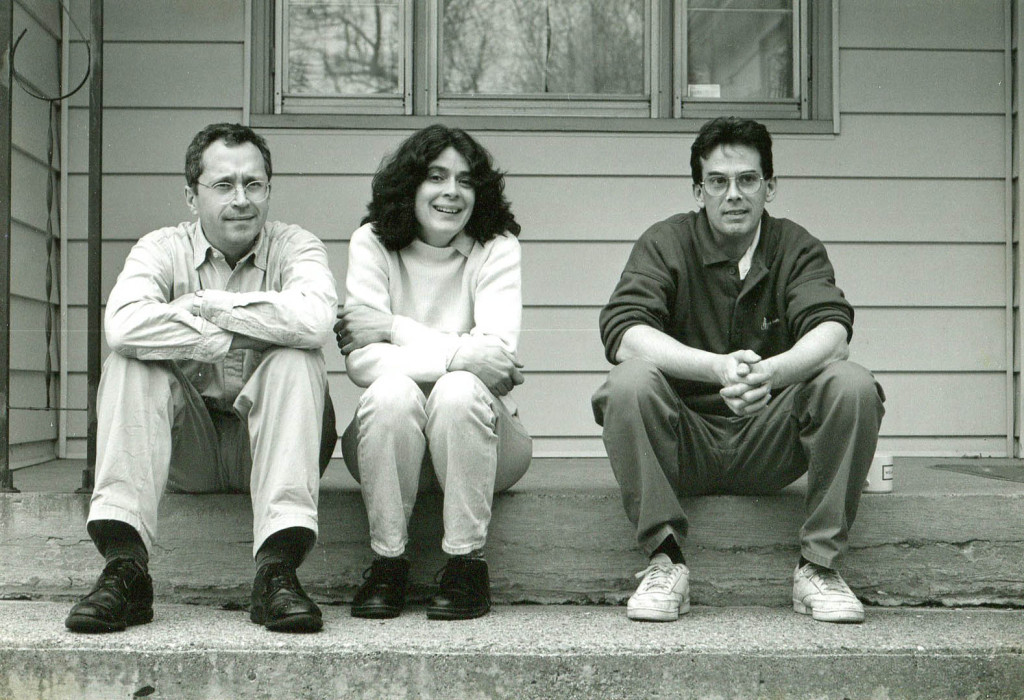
x: 678, y: 282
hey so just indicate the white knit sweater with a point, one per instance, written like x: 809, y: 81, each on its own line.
x: 441, y: 299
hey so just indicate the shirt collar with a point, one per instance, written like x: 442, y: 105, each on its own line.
x: 710, y: 254
x: 748, y: 257
x: 201, y: 248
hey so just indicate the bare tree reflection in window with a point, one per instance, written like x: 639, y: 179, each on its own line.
x: 344, y: 47
x: 519, y: 47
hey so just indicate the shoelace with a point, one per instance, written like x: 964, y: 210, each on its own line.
x: 118, y: 574
x: 282, y: 577
x: 829, y: 580
x: 660, y: 577
x: 450, y: 579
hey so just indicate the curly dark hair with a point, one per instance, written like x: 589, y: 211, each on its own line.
x: 731, y: 131
x: 230, y: 134
x: 392, y: 211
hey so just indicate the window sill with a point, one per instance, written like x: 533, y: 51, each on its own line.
x: 365, y: 122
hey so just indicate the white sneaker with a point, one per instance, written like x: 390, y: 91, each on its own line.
x: 823, y: 594
x: 663, y: 594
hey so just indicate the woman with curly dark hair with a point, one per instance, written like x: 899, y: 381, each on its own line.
x: 430, y: 328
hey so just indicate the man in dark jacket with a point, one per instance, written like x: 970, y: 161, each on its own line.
x: 730, y: 340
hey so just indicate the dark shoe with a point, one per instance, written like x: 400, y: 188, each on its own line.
x: 382, y: 594
x: 464, y: 592
x: 280, y: 604
x: 122, y: 596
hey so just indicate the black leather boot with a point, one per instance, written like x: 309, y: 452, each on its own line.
x: 280, y: 604
x: 464, y: 591
x: 122, y: 596
x: 382, y: 594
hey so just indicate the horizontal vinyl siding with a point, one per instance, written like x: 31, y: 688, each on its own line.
x: 908, y: 197
x: 33, y: 420
x: 171, y: 68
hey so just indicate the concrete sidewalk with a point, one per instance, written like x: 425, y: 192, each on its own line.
x: 518, y: 652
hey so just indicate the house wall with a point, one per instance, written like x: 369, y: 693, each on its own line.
x: 33, y: 420
x: 909, y: 198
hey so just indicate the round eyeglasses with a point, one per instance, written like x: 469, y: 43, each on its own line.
x: 717, y: 185
x: 254, y: 191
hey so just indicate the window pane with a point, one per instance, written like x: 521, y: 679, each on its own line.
x: 521, y: 47
x: 344, y: 47
x: 741, y: 50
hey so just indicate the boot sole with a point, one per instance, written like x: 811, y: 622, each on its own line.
x: 457, y: 614
x: 94, y: 625
x: 293, y: 623
x: 382, y: 612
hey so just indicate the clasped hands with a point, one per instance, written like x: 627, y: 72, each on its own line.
x: 484, y: 356
x: 746, y: 382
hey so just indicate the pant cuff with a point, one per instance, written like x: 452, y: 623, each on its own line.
x: 384, y: 551
x: 455, y: 550
x: 283, y: 523
x: 651, y: 543
x: 112, y: 512
x: 828, y: 561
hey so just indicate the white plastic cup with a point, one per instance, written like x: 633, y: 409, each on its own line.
x: 879, y: 479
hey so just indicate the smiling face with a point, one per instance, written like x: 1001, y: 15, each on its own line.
x: 733, y: 215
x: 444, y: 200
x: 230, y: 226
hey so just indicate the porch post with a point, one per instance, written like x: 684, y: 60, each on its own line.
x: 6, y: 93
x: 95, y: 256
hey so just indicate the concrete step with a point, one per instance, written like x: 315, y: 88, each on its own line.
x: 518, y: 652
x: 559, y: 536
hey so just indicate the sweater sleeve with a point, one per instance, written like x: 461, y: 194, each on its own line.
x: 812, y: 296
x: 498, y: 300
x: 416, y: 351
x: 641, y: 296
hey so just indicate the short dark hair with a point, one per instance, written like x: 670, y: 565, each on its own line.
x: 230, y: 134
x: 392, y: 210
x: 731, y: 131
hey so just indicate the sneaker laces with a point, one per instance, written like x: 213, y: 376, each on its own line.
x: 829, y: 580
x: 656, y: 577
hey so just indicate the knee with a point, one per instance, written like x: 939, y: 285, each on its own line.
x: 629, y: 385
x: 847, y: 383
x: 630, y: 381
x: 290, y: 361
x: 457, y: 393
x: 390, y: 396
x: 126, y: 372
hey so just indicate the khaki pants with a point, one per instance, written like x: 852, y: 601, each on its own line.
x: 661, y: 450
x: 155, y: 431
x: 459, y: 430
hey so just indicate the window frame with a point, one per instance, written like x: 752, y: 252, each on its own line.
x: 818, y: 108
